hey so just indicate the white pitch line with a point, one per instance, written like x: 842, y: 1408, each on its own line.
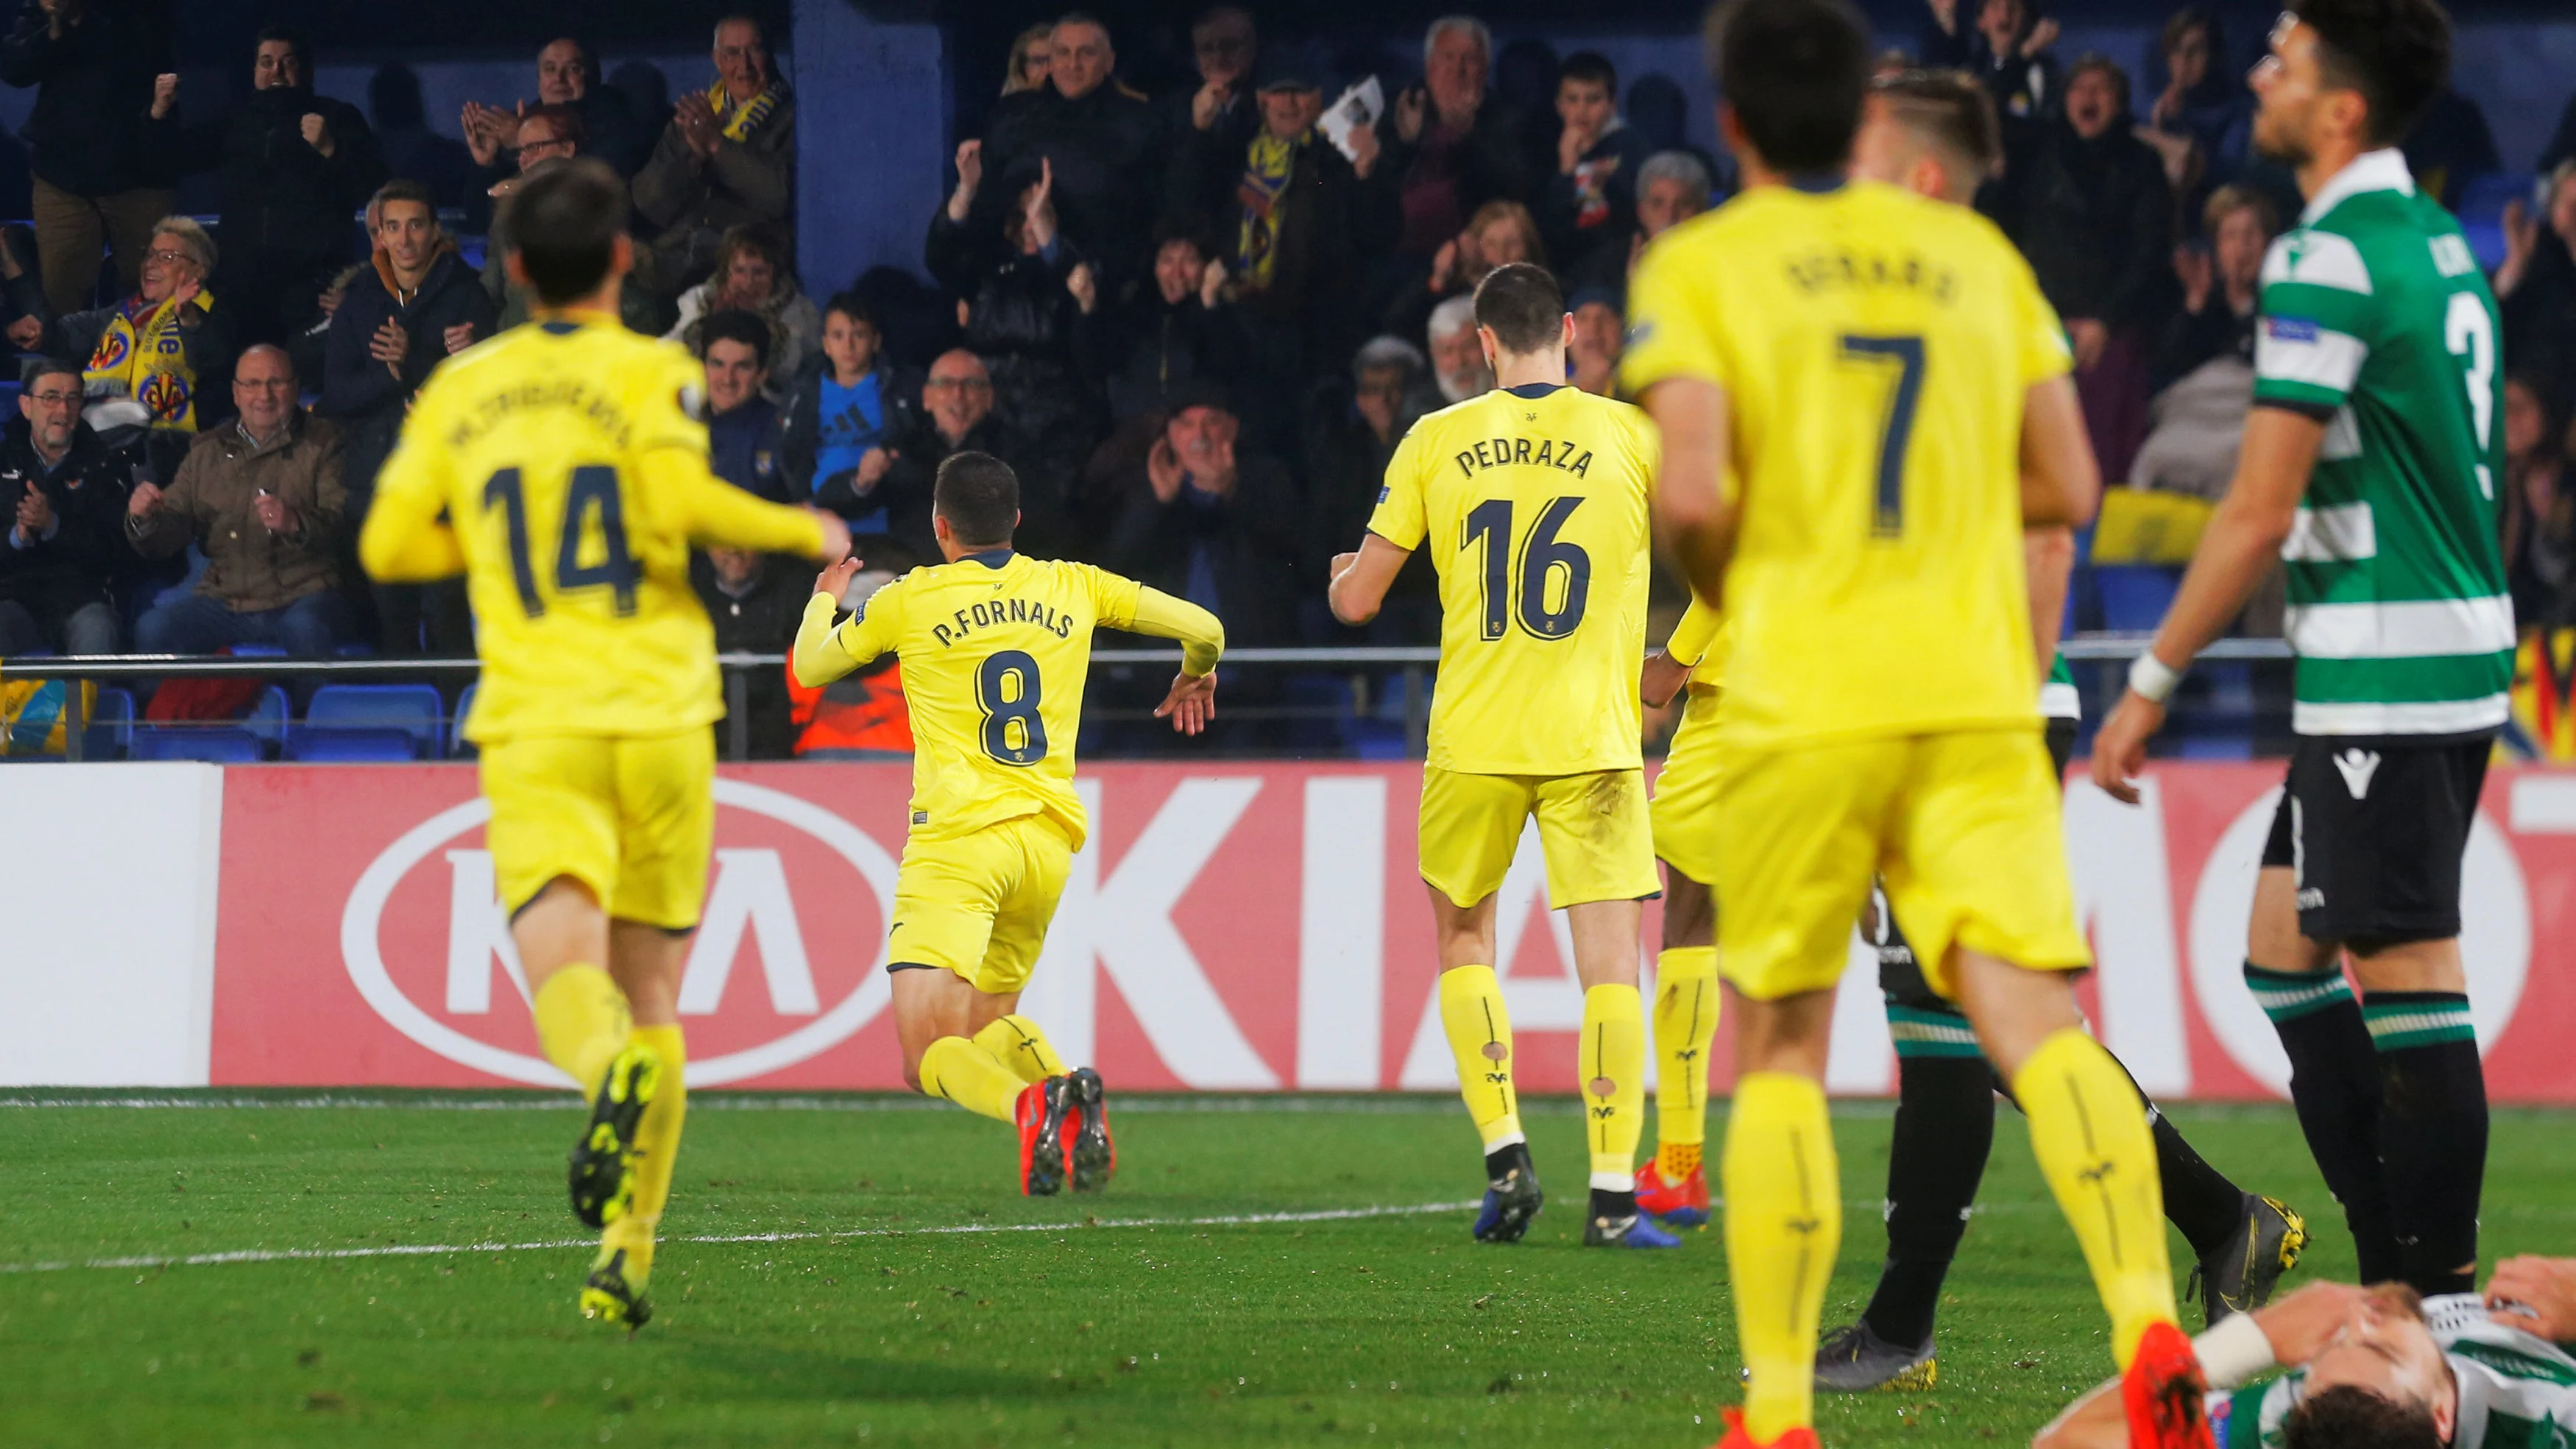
x: 431, y: 1250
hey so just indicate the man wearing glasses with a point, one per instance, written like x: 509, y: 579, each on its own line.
x: 957, y: 417
x: 62, y: 493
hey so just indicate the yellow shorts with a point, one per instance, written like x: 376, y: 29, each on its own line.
x: 979, y: 904
x: 1963, y: 827
x: 1592, y: 828
x: 1685, y: 805
x: 632, y: 818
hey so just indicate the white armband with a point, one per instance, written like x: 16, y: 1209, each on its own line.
x: 2151, y: 680
x: 2233, y: 1352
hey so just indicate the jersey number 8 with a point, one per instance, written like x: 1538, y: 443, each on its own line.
x: 593, y: 490
x: 1540, y: 555
x: 1006, y: 689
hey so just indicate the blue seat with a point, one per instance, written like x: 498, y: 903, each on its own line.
x: 110, y: 734
x: 268, y: 718
x: 350, y: 745
x: 356, y: 651
x: 458, y: 746
x: 414, y: 709
x: 2135, y: 596
x: 214, y: 744
x: 1322, y: 705
x: 258, y: 651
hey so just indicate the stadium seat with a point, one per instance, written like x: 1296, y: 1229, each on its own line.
x: 1320, y: 706
x: 356, y: 651
x: 459, y: 747
x: 213, y: 744
x: 415, y: 710
x: 268, y: 718
x: 345, y: 745
x: 111, y: 726
x: 257, y: 651
x: 2135, y: 596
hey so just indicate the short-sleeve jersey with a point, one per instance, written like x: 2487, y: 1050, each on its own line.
x: 1875, y: 349
x: 2376, y: 320
x: 2517, y: 1391
x: 996, y: 648
x: 584, y: 616
x: 1532, y: 502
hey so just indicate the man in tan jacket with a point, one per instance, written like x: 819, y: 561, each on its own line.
x: 262, y: 497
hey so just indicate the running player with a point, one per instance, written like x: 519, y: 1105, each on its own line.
x: 1533, y: 500
x: 995, y: 647
x: 2370, y: 465
x: 1673, y: 1184
x: 562, y: 468
x: 1864, y: 402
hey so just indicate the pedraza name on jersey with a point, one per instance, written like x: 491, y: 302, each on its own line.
x: 495, y: 409
x: 1501, y: 452
x: 1819, y: 270
x: 1004, y: 611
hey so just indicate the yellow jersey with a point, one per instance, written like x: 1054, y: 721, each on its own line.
x: 1699, y: 639
x: 1875, y: 349
x: 995, y: 650
x: 1533, y: 502
x: 562, y: 468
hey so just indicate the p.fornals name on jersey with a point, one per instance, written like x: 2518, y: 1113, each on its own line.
x: 1004, y: 611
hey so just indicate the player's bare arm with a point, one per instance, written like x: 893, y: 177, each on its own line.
x: 2048, y: 561
x: 1361, y: 579
x: 2291, y: 1331
x: 2061, y: 485
x: 2237, y: 549
x: 1663, y: 677
x: 1695, y: 514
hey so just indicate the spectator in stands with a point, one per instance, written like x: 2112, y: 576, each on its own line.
x: 957, y: 416
x: 2088, y: 205
x: 2013, y: 58
x: 568, y: 76
x: 261, y: 497
x: 62, y: 494
x: 752, y: 275
x: 546, y: 133
x: 1672, y: 187
x: 1589, y: 208
x: 1499, y: 232
x: 1181, y: 330
x: 436, y: 160
x: 417, y: 304
x: 1600, y: 333
x: 744, y: 442
x: 2220, y: 278
x: 1448, y: 147
x: 1457, y: 359
x: 843, y: 420
x: 727, y: 159
x: 1032, y: 51
x: 2562, y: 142
x: 2536, y: 286
x: 2202, y: 121
x: 1211, y: 124
x: 93, y: 66
x: 860, y: 716
x: 755, y: 602
x: 293, y: 166
x: 2538, y: 507
x: 1030, y: 301
x: 1351, y: 435
x: 1104, y: 143
x: 2450, y: 147
x: 129, y: 345
x: 1220, y: 527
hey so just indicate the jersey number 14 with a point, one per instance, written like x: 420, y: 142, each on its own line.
x: 592, y: 494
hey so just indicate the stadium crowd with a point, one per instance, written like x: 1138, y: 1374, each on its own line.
x: 1195, y: 323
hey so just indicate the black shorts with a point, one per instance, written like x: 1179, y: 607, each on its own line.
x: 1900, y: 979
x: 2375, y: 829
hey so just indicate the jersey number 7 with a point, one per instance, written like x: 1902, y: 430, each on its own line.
x: 593, y: 491
x: 1887, y: 519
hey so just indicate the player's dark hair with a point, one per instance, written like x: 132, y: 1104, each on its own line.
x: 2350, y: 1417
x: 563, y: 221
x: 735, y: 325
x: 979, y: 495
x: 1950, y: 111
x: 1522, y: 306
x: 1592, y: 68
x: 1793, y: 71
x: 294, y: 42
x: 2396, y: 53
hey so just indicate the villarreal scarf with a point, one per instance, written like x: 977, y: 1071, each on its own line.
x: 745, y: 120
x: 143, y: 355
x: 1267, y: 165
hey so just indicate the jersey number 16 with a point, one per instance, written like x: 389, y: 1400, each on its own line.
x: 1541, y: 555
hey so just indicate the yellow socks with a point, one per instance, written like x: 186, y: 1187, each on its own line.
x: 1018, y: 1043
x: 1612, y: 1061
x: 1480, y: 1037
x: 1686, y: 998
x: 582, y: 1022
x: 1784, y: 1221
x: 968, y: 1075
x: 2090, y: 1134
x: 657, y: 1151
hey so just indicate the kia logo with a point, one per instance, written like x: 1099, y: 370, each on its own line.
x: 750, y: 898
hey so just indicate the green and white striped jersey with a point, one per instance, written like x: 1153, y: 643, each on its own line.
x: 2516, y: 1391
x: 2375, y: 319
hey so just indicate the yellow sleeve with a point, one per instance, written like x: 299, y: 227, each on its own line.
x: 1696, y: 631
x: 406, y: 537
x: 712, y: 513
x: 1401, y: 517
x: 823, y: 653
x: 1202, y: 637
x: 2044, y: 350
x: 1672, y: 322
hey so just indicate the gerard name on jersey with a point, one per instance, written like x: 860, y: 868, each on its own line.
x: 494, y: 409
x: 1819, y: 270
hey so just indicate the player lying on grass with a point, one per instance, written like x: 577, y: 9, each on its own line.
x: 562, y: 468
x: 1532, y: 501
x: 2380, y: 1368
x: 995, y: 648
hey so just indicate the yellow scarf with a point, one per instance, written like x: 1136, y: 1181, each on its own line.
x: 1268, y: 164
x: 143, y: 355
x: 743, y: 122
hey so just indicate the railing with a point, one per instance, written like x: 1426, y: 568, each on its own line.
x: 1412, y: 663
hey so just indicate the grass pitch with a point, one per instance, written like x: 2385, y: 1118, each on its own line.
x: 885, y: 1285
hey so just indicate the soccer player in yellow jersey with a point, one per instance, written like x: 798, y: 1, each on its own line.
x: 995, y: 647
x: 562, y: 468
x: 1532, y: 500
x: 1673, y: 1185
x: 1863, y: 402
